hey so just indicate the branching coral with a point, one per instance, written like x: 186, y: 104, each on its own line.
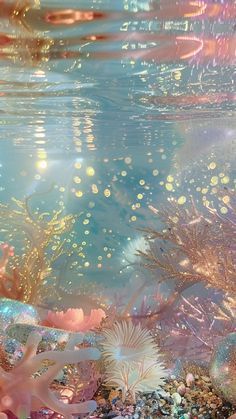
x: 132, y: 359
x: 41, y: 238
x: 22, y: 391
x: 193, y: 248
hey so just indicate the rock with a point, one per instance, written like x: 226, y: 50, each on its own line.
x: 181, y: 389
x: 190, y: 379
x: 12, y: 312
x: 176, y: 398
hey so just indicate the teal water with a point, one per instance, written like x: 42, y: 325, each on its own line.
x: 131, y: 104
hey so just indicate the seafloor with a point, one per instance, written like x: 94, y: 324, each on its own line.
x: 176, y: 400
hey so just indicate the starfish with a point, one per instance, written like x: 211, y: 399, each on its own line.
x: 22, y: 392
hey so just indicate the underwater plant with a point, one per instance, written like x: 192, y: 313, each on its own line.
x: 74, y: 319
x: 131, y: 359
x: 22, y: 391
x: 193, y: 247
x: 28, y: 275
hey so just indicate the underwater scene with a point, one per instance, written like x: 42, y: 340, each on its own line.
x: 117, y: 209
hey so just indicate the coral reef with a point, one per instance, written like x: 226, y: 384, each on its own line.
x: 25, y: 387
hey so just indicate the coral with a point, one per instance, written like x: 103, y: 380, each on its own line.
x: 41, y: 238
x: 132, y: 359
x: 74, y: 319
x: 127, y: 342
x: 144, y: 376
x: 25, y: 388
x: 193, y: 248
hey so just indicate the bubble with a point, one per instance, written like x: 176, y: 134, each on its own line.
x: 78, y: 165
x: 212, y: 165
x: 181, y: 200
x: 78, y: 194
x: 224, y: 210
x: 226, y: 199
x: 128, y: 160
x: 107, y: 193
x: 140, y: 196
x: 225, y: 180
x: 142, y: 182
x: 77, y: 179
x: 90, y: 171
x: 214, y: 180
x: 223, y: 368
x: 94, y: 188
x: 169, y: 186
x: 155, y: 172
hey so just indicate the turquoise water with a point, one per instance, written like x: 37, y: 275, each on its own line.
x: 130, y: 104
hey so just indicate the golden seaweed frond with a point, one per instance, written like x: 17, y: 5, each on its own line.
x: 41, y: 237
x: 193, y: 247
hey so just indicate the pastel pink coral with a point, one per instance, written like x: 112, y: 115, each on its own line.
x: 23, y: 391
x: 74, y: 319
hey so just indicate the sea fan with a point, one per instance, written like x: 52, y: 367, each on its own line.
x: 144, y: 376
x: 126, y: 342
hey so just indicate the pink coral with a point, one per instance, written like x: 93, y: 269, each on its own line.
x: 22, y: 391
x: 74, y: 319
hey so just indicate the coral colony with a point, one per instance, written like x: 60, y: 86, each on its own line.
x: 168, y: 350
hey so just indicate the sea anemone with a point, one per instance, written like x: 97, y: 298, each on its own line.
x: 127, y: 342
x: 74, y: 319
x: 145, y: 376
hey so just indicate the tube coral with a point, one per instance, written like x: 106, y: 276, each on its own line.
x: 21, y: 391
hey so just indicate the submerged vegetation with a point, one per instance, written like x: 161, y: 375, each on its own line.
x: 39, y: 240
x: 193, y: 247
